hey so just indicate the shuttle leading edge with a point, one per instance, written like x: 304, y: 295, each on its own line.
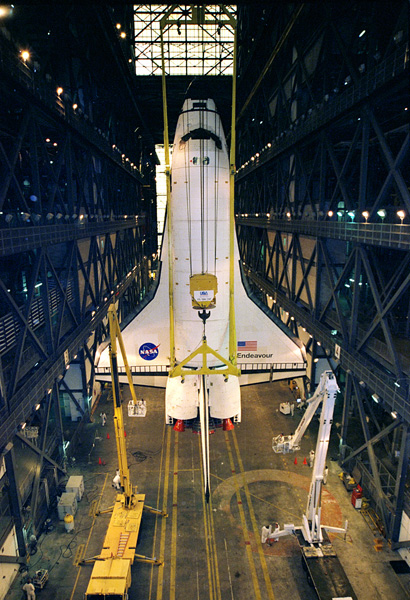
x: 198, y: 248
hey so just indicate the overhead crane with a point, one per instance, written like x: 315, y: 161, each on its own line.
x: 111, y: 574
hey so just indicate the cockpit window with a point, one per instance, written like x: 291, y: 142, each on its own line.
x: 202, y: 134
x: 196, y: 160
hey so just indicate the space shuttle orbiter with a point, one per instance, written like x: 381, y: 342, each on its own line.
x: 195, y: 277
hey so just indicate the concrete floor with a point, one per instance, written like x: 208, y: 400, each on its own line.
x: 211, y: 551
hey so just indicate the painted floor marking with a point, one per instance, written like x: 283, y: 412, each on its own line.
x: 207, y: 534
x: 255, y: 527
x: 174, y: 522
x: 235, y: 482
x: 156, y: 519
x: 160, y: 582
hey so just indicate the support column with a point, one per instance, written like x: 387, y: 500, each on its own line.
x: 399, y: 492
x: 15, y: 500
x: 345, y: 416
x: 58, y: 420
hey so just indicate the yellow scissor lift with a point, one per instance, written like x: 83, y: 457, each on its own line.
x: 111, y: 575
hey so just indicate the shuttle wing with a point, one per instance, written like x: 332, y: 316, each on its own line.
x: 266, y: 349
x: 146, y: 338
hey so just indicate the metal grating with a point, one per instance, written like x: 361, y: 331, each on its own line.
x: 10, y: 325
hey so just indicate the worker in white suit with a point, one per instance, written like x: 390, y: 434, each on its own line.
x: 29, y: 588
x: 116, y: 482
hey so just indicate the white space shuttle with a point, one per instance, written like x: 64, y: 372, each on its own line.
x: 195, y: 269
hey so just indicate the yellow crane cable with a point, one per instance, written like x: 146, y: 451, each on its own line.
x: 168, y: 184
x: 232, y: 326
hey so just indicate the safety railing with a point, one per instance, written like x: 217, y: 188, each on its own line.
x: 373, y: 234
x: 260, y: 367
x: 21, y: 239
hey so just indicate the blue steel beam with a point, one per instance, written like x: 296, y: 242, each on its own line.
x: 373, y: 376
x: 53, y: 368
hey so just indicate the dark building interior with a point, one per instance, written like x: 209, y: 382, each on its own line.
x: 322, y: 216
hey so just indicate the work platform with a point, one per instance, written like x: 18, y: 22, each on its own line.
x: 211, y: 552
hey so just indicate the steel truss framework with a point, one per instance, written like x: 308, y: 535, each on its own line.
x: 323, y: 171
x: 198, y: 40
x: 74, y: 219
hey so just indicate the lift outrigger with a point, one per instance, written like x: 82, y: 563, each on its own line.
x: 111, y: 575
x: 321, y: 563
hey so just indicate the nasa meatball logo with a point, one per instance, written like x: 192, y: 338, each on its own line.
x: 149, y: 351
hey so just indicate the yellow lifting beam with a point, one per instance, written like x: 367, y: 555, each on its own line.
x: 204, y: 349
x: 168, y: 185
x: 232, y: 169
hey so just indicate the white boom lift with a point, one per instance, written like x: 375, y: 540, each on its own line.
x: 311, y: 527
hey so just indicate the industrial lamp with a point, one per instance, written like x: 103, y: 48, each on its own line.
x: 401, y: 214
x: 382, y: 214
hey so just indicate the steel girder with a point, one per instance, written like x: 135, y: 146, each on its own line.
x: 323, y: 154
x: 304, y: 281
x: 77, y: 230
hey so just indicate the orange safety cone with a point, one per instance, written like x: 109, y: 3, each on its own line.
x: 125, y: 433
x: 108, y: 436
x: 228, y: 425
x: 179, y: 425
x: 304, y: 461
x: 295, y: 461
x: 99, y: 461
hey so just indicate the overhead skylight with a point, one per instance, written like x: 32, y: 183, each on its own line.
x: 198, y: 40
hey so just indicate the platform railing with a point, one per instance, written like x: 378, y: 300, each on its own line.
x: 260, y: 367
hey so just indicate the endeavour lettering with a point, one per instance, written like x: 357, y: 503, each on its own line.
x: 252, y: 355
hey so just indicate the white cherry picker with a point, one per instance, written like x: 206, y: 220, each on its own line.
x: 323, y: 567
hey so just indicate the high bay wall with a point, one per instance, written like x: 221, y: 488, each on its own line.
x: 77, y: 229
x: 322, y: 207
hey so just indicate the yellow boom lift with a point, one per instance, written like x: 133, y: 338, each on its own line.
x: 111, y: 575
